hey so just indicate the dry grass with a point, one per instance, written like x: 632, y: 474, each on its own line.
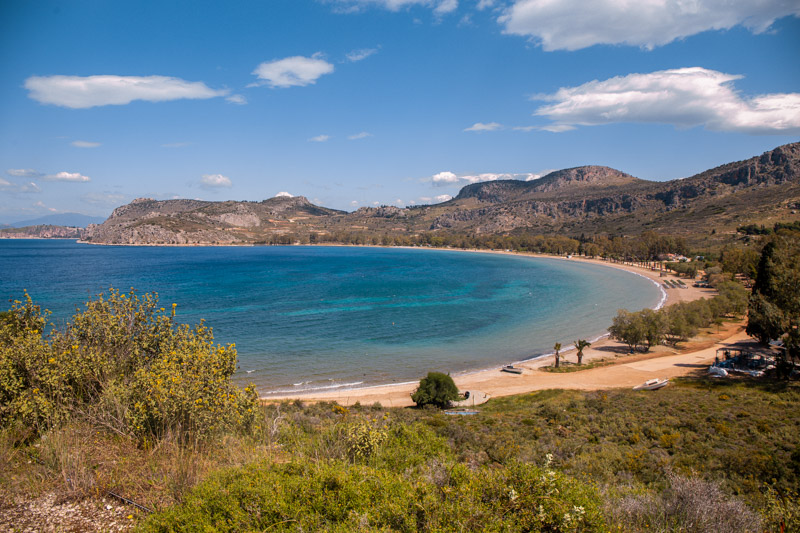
x: 691, y: 505
x: 79, y: 461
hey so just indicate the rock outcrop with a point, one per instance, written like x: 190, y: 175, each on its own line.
x: 593, y: 199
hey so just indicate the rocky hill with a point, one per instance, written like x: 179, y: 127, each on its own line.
x: 42, y: 231
x: 590, y: 199
x: 148, y: 221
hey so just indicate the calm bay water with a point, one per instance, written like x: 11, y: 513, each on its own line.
x: 310, y: 318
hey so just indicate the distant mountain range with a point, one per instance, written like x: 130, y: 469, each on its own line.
x: 74, y: 220
x: 590, y: 199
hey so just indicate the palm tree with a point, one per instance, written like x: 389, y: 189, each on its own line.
x: 557, y: 348
x: 580, y: 344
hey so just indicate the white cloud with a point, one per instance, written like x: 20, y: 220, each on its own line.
x: 24, y: 173
x: 484, y: 4
x: 446, y: 179
x: 480, y: 127
x: 84, y: 144
x: 29, y: 187
x: 557, y: 128
x: 685, y: 98
x: 73, y: 177
x: 320, y: 138
x: 437, y: 199
x: 42, y: 206
x: 78, y: 92
x: 572, y: 24
x: 358, y: 55
x: 357, y: 136
x: 214, y: 181
x: 237, y: 99
x: 284, y: 194
x: 440, y: 7
x: 104, y: 198
x: 445, y: 6
x: 354, y: 203
x: 297, y: 71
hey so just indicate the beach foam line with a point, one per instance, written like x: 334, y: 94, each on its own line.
x: 314, y: 389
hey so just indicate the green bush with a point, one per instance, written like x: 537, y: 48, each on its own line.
x: 337, y: 496
x: 436, y: 389
x: 124, y: 364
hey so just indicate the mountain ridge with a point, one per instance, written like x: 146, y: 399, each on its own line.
x: 593, y: 199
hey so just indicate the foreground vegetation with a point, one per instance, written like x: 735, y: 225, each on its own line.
x: 125, y: 400
x: 698, y: 456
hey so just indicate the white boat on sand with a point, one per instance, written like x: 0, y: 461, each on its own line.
x: 652, y: 384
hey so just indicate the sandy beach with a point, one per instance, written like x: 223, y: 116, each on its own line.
x: 623, y: 370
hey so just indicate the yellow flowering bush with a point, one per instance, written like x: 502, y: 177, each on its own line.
x: 121, y: 363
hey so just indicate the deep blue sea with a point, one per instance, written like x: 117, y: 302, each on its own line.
x: 310, y: 318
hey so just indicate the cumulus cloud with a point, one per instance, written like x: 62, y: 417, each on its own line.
x: 319, y: 138
x: 84, y: 144
x: 237, y: 99
x: 284, y: 194
x: 685, y: 98
x: 296, y: 71
x: 484, y: 4
x: 446, y: 179
x: 357, y: 136
x: 358, y: 55
x: 570, y: 25
x: 436, y: 199
x: 81, y: 92
x: 480, y: 127
x: 73, y: 177
x: 24, y: 173
x: 440, y: 7
x: 215, y: 181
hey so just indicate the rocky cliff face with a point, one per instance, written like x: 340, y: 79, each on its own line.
x: 148, y: 221
x: 581, y: 194
x: 591, y: 198
x: 44, y: 231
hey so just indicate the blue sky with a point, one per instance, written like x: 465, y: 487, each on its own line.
x: 357, y: 103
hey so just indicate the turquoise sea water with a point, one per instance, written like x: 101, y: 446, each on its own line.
x: 311, y: 318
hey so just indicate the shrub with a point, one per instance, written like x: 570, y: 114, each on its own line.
x: 124, y: 364
x: 436, y: 389
x: 336, y: 496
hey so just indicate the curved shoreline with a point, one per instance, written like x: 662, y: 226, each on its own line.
x: 398, y: 394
